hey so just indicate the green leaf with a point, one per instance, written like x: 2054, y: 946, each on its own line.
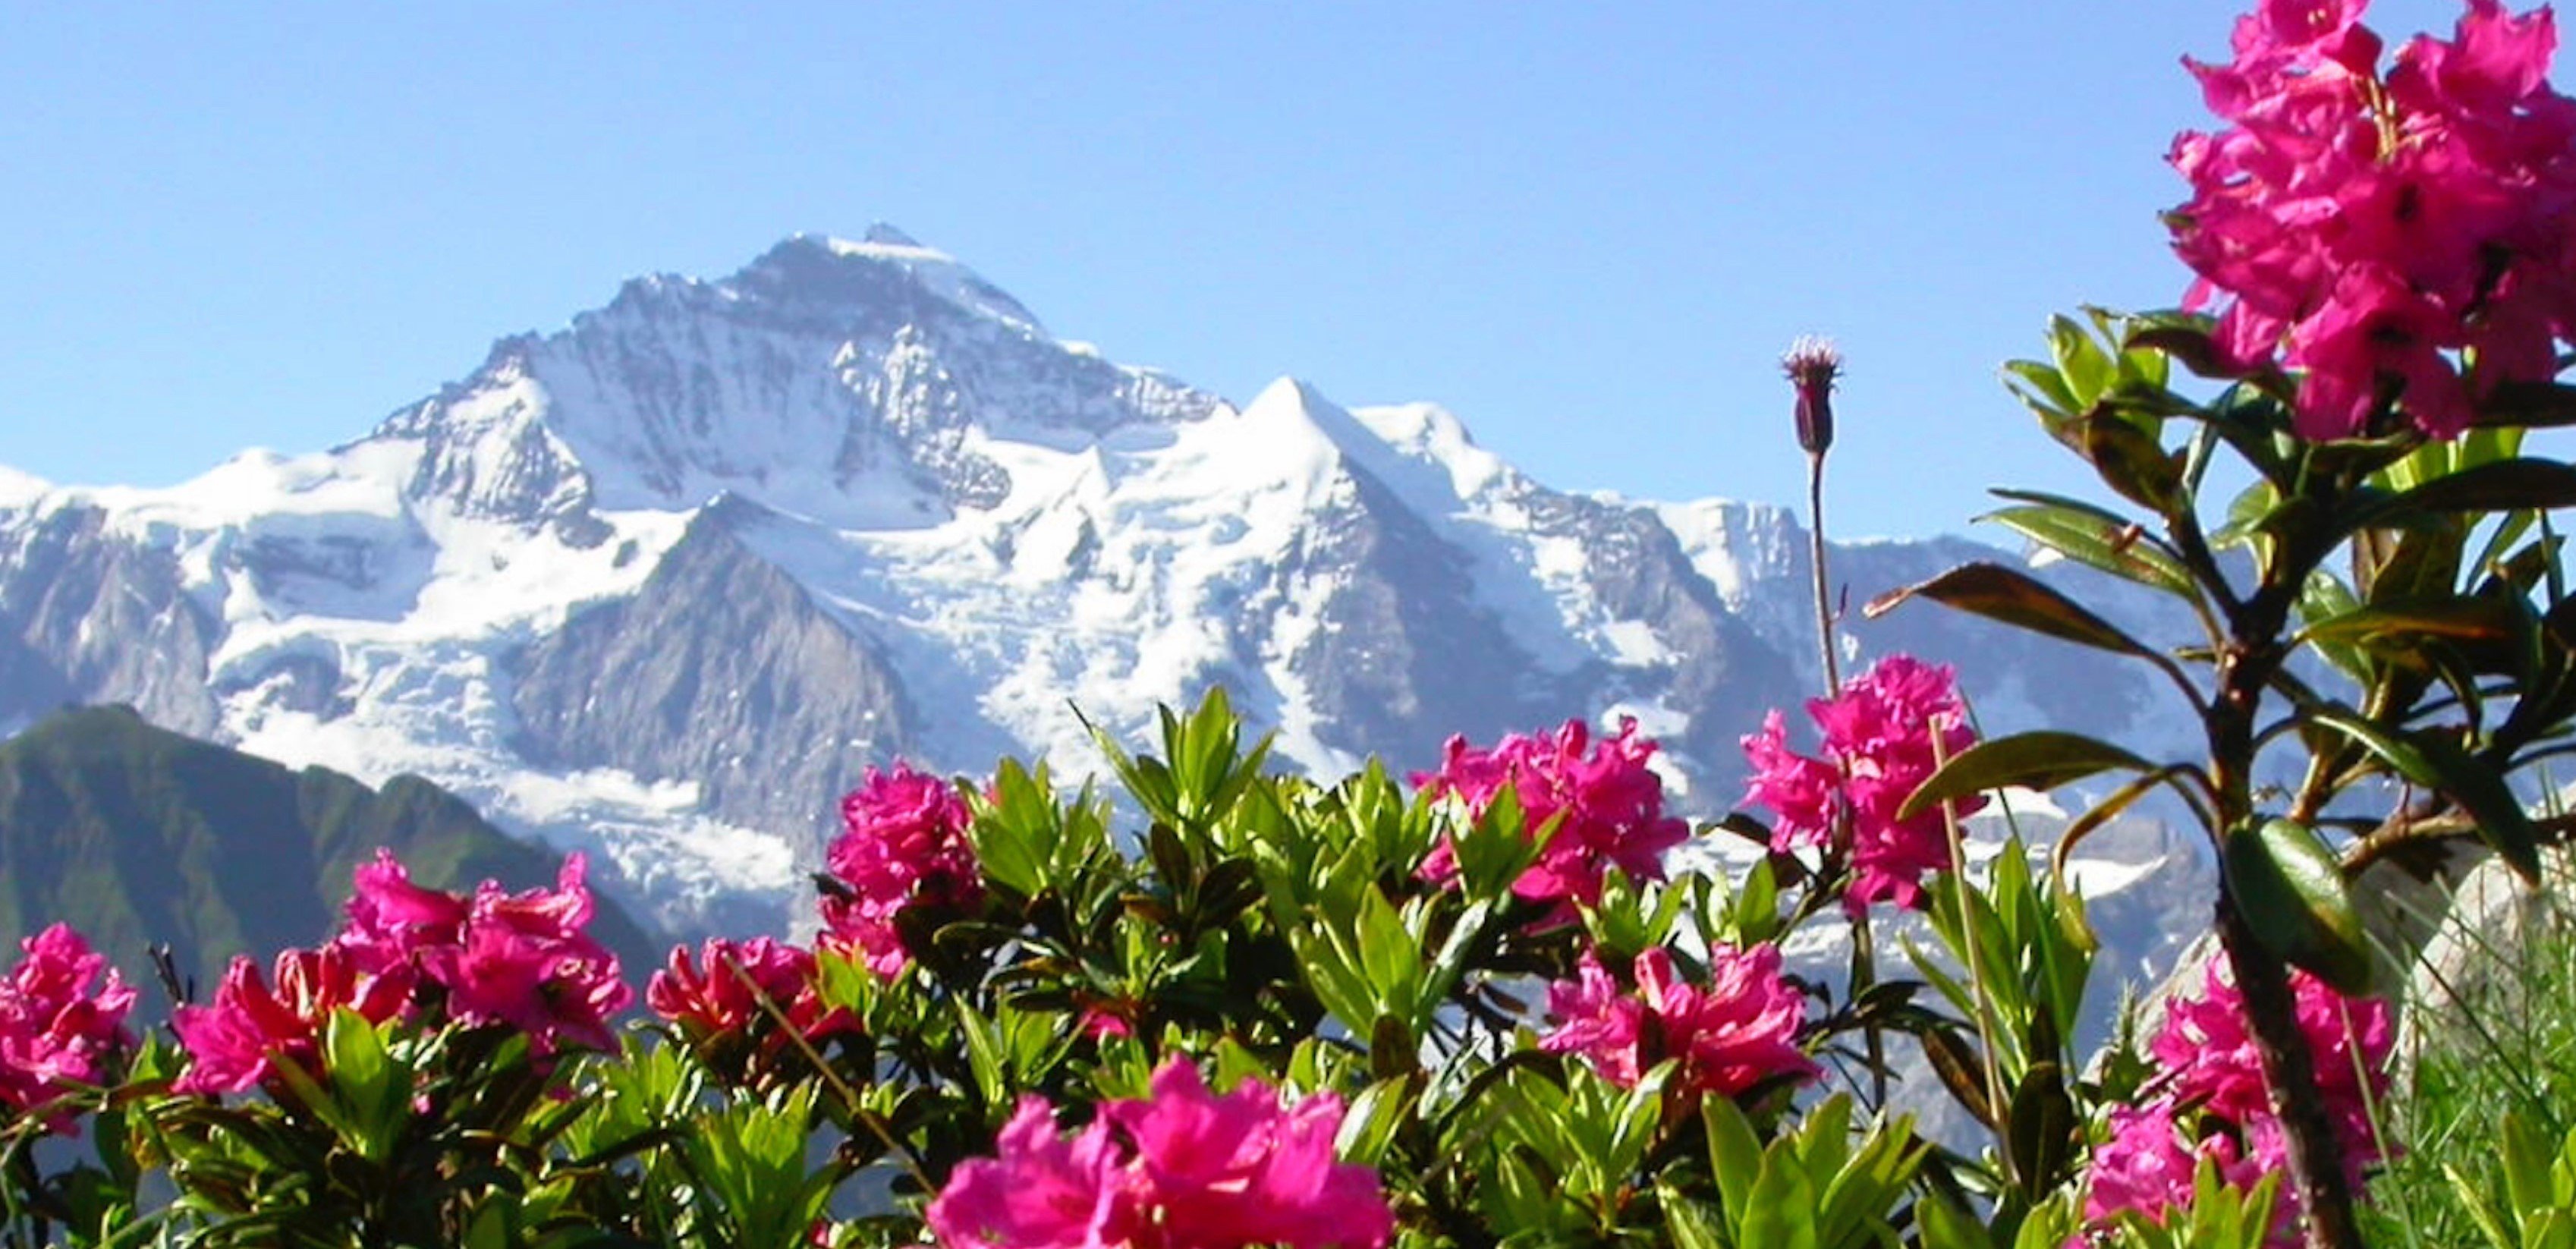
x: 2504, y: 485
x: 1756, y: 913
x: 1369, y: 1127
x: 2250, y: 516
x: 1690, y: 1224
x: 2436, y: 764
x: 365, y: 1080
x: 2098, y: 540
x: 2040, y: 759
x: 2015, y: 598
x: 2531, y: 405
x: 2085, y: 366
x: 1946, y: 1226
x: 2043, y: 389
x: 2291, y: 891
x: 1734, y: 1152
x: 2040, y: 1129
x: 2464, y: 619
x: 1961, y: 1069
x: 2190, y: 342
x: 2131, y: 461
x: 1780, y: 1212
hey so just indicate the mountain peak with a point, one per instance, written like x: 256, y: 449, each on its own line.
x: 822, y: 269
x: 18, y: 489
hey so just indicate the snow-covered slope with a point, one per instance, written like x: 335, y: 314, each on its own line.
x: 663, y: 582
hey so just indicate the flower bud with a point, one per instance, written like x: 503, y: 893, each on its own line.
x: 1812, y: 365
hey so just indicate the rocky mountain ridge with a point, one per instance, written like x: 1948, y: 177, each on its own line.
x: 663, y: 582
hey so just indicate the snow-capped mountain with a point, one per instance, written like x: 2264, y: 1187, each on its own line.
x: 663, y: 583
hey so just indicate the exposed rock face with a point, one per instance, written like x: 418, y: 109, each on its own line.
x: 1399, y: 651
x: 1713, y: 662
x: 90, y: 616
x: 719, y: 670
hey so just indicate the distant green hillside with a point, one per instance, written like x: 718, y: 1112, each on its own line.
x: 138, y: 835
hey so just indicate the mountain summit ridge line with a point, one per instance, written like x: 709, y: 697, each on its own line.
x: 661, y: 583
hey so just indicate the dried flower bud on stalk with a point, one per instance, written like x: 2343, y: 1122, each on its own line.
x: 1812, y: 365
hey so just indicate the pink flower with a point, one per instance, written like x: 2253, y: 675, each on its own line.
x: 1598, y: 1019
x: 389, y: 920
x: 1886, y: 733
x: 1608, y: 804
x: 1241, y: 1169
x: 1045, y: 1191
x: 1101, y: 1024
x: 234, y: 1045
x: 1738, y: 1033
x: 905, y: 845
x: 55, y: 1032
x: 1183, y: 1169
x: 2209, y: 1046
x: 523, y: 959
x: 2372, y: 228
x: 725, y: 1000
x: 2150, y: 1165
x: 2216, y: 1105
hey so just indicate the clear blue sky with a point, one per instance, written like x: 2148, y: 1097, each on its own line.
x: 1589, y: 229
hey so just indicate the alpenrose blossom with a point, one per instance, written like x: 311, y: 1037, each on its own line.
x: 56, y: 1030
x: 904, y: 845
x: 2370, y: 228
x: 1884, y: 735
x: 523, y: 958
x: 1183, y: 1168
x: 1738, y: 1033
x: 732, y: 988
x: 2150, y: 1164
x: 2212, y: 1103
x: 235, y: 1044
x: 1608, y: 804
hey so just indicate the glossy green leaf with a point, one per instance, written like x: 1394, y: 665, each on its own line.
x: 1369, y: 1128
x: 2441, y: 766
x: 2290, y: 889
x: 2132, y: 462
x: 2504, y: 485
x: 2015, y: 598
x: 2040, y: 759
x: 2085, y: 366
x: 2403, y: 624
x: 2040, y: 1131
x: 1962, y: 1070
x: 2044, y: 392
x: 2097, y: 541
x: 2249, y: 516
x: 2532, y: 405
x: 2325, y: 598
x: 2191, y: 342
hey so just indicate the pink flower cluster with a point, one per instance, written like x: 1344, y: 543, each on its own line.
x: 904, y: 845
x: 2215, y: 1104
x: 55, y: 1030
x: 726, y: 998
x: 233, y: 1044
x: 1182, y: 1169
x: 1739, y: 1032
x: 1884, y: 735
x: 2369, y: 227
x: 1609, y: 806
x: 493, y: 957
